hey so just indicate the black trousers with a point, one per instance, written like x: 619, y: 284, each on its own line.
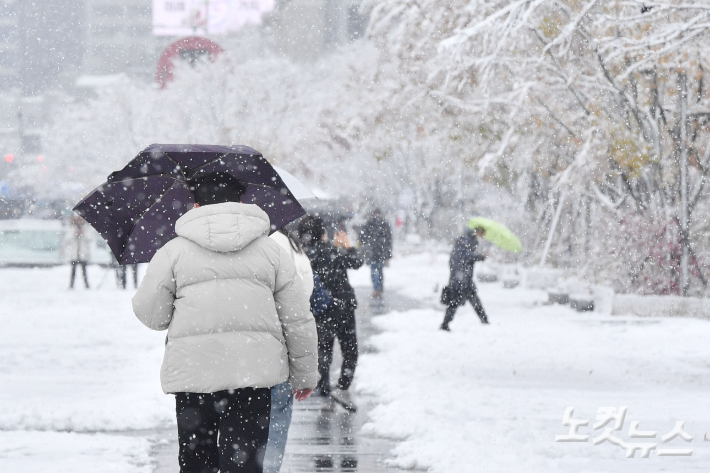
x: 225, y: 431
x: 74, y: 264
x: 338, y: 323
x: 475, y: 301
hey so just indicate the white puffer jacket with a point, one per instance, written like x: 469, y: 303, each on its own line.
x: 236, y: 312
x: 303, y: 264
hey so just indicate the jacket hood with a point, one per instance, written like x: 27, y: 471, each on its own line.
x: 225, y: 227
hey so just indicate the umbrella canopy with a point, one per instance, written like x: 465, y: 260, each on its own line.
x: 497, y: 233
x: 297, y: 188
x: 136, y: 208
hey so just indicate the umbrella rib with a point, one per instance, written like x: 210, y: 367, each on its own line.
x: 167, y: 176
x: 265, y: 185
x: 143, y: 215
x: 177, y: 180
x: 197, y: 169
x: 176, y: 164
x: 269, y: 187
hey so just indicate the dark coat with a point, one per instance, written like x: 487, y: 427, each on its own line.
x: 376, y: 240
x: 463, y: 257
x: 331, y: 265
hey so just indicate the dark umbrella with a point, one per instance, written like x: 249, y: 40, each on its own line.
x: 136, y: 209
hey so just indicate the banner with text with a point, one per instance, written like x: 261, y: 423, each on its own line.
x: 201, y: 17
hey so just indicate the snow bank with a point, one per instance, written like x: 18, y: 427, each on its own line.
x: 607, y: 302
x: 62, y: 452
x: 491, y: 398
x: 661, y: 306
x: 75, y: 365
x: 543, y: 278
x: 76, y: 360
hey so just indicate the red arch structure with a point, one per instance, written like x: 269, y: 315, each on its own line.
x: 189, y: 48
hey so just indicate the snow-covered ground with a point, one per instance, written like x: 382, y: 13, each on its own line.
x: 79, y: 379
x: 78, y: 373
x: 491, y: 398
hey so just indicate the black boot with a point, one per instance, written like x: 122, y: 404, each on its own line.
x: 448, y: 317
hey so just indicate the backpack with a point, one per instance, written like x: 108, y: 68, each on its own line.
x: 321, y: 300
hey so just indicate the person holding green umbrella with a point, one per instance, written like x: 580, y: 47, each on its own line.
x: 461, y: 287
x: 496, y: 233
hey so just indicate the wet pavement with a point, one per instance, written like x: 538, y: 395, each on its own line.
x: 323, y: 436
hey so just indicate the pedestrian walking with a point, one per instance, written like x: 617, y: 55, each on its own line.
x: 282, y: 394
x: 376, y: 245
x: 238, y: 324
x: 77, y: 248
x: 461, y: 287
x: 330, y: 262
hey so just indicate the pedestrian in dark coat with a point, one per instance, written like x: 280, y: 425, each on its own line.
x: 376, y: 243
x: 330, y: 261
x: 461, y: 287
x: 77, y: 248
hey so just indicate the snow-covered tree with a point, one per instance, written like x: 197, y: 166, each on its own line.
x: 583, y: 125
x: 582, y: 105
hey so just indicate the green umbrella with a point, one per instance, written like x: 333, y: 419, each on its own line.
x: 497, y: 233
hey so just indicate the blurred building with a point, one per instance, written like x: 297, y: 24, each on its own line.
x: 74, y: 46
x: 49, y: 43
x: 41, y: 48
x: 53, y: 45
x: 306, y: 29
x: 118, y: 38
x: 9, y: 44
x: 39, y: 42
x: 9, y: 76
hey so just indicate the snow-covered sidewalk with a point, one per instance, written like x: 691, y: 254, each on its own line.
x: 78, y: 373
x: 79, y: 378
x: 491, y: 398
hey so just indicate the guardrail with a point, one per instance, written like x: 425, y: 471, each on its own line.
x: 38, y: 243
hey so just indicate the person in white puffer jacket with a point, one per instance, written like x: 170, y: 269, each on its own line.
x: 238, y: 322
x: 303, y: 264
